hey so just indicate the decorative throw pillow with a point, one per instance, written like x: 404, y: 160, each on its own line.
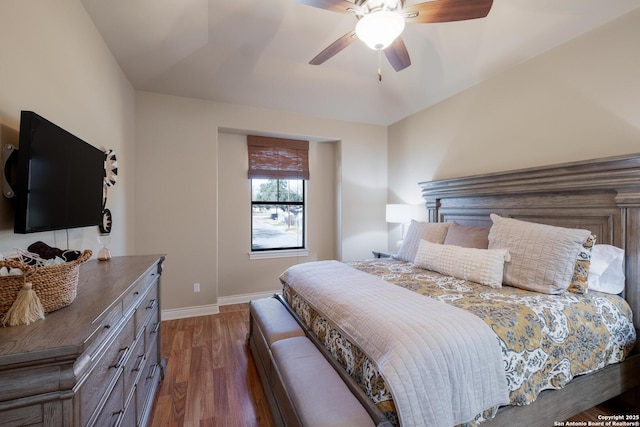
x: 543, y: 257
x: 484, y: 266
x: 467, y: 236
x: 579, y: 281
x: 606, y: 273
x: 434, y: 232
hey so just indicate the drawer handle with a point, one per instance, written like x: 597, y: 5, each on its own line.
x: 152, y: 304
x: 152, y: 372
x: 155, y: 328
x: 120, y: 414
x: 120, y: 361
x: 107, y: 326
x: 139, y: 364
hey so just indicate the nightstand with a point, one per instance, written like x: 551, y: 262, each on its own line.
x: 383, y: 254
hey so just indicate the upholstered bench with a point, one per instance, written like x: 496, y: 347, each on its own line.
x: 317, y: 392
x: 274, y: 320
x: 269, y: 321
x: 302, y: 387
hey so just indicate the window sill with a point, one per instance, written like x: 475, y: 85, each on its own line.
x: 289, y: 253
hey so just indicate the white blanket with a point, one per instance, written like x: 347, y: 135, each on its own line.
x: 442, y: 365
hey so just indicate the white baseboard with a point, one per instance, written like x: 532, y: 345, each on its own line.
x: 206, y: 310
x: 243, y: 298
x: 195, y: 311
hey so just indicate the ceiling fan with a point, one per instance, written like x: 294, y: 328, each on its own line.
x: 381, y: 22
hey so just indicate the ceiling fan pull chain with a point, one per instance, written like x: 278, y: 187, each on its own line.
x: 380, y: 65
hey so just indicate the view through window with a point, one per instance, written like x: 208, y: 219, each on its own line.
x: 277, y: 214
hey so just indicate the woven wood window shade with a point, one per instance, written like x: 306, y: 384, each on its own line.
x: 278, y: 158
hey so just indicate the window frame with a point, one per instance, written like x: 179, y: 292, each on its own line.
x: 281, y: 251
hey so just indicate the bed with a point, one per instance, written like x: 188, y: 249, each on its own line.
x: 593, y: 202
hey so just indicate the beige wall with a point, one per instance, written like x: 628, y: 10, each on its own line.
x: 54, y: 62
x: 190, y: 157
x: 237, y: 274
x: 576, y: 102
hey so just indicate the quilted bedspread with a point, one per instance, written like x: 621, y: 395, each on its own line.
x: 442, y: 364
x: 544, y: 340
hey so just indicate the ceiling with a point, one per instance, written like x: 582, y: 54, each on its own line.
x: 256, y: 52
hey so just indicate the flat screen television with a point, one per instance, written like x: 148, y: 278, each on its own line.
x: 59, y: 179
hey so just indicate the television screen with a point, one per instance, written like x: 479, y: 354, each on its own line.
x: 60, y: 178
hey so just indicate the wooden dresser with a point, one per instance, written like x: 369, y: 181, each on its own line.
x: 95, y: 362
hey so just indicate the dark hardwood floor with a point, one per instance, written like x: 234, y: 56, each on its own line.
x: 211, y: 379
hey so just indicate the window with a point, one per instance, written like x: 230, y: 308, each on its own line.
x: 278, y: 169
x: 277, y: 214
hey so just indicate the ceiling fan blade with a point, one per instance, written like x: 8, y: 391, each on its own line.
x: 334, y: 48
x: 342, y: 6
x: 398, y: 55
x: 446, y: 11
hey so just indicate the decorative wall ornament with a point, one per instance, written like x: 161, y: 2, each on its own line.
x: 110, y: 178
x: 110, y: 168
x: 105, y: 225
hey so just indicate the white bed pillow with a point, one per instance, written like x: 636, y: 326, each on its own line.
x: 484, y: 266
x: 543, y: 257
x: 434, y: 232
x: 606, y: 273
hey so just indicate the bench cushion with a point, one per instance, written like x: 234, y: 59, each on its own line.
x: 317, y: 391
x: 274, y: 320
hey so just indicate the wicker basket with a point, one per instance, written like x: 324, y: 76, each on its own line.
x: 55, y: 285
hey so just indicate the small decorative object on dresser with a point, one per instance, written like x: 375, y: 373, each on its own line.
x: 104, y: 254
x: 96, y: 362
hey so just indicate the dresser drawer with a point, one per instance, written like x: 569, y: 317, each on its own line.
x: 110, y: 365
x: 129, y: 418
x: 113, y: 410
x: 147, y: 307
x: 25, y: 416
x: 23, y: 382
x: 152, y: 332
x: 148, y: 381
x: 139, y: 288
x: 134, y: 365
x: 103, y: 326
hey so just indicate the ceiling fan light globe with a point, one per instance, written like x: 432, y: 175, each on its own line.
x: 379, y: 29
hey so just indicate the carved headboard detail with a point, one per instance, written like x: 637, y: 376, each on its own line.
x: 601, y: 195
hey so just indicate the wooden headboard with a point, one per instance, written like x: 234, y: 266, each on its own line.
x: 601, y: 195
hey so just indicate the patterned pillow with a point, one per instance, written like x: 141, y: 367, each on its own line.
x: 433, y: 232
x: 484, y: 266
x: 579, y: 283
x: 543, y: 257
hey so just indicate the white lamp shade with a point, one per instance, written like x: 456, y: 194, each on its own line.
x: 379, y: 29
x: 403, y: 213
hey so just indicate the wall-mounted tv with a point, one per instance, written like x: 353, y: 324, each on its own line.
x: 59, y: 178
